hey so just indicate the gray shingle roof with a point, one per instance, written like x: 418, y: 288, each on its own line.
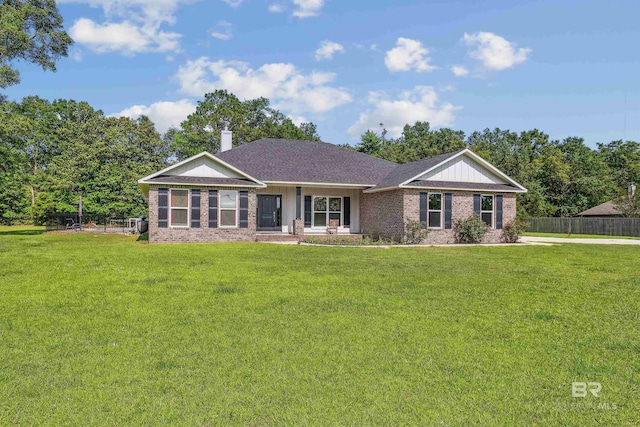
x: 306, y: 161
x: 464, y: 185
x: 407, y: 171
x: 605, y: 209
x: 202, y: 181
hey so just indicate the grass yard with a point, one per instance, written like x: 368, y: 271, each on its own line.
x: 104, y: 330
x: 580, y: 236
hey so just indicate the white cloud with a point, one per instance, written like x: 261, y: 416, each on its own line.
x: 307, y: 8
x: 286, y: 86
x: 223, y: 31
x: 276, y: 8
x: 233, y: 3
x: 419, y: 104
x: 163, y: 114
x: 408, y: 55
x: 131, y: 26
x: 298, y: 120
x: 459, y: 70
x: 374, y: 47
x: 327, y: 49
x: 76, y: 55
x: 124, y: 37
x: 495, y: 53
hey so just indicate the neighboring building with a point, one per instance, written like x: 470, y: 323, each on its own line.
x: 607, y: 209
x: 293, y: 188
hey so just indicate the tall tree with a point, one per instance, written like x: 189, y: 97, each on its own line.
x: 30, y: 30
x: 623, y: 157
x: 249, y: 120
x: 417, y: 142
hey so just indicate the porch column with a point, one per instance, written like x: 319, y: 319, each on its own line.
x: 298, y: 202
x: 298, y: 223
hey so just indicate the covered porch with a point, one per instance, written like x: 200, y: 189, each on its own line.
x: 308, y: 210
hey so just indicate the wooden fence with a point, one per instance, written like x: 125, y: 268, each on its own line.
x: 585, y: 225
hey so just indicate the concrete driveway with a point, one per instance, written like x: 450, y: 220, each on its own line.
x: 531, y: 239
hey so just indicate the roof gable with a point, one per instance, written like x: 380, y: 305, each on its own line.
x: 462, y: 169
x: 458, y: 170
x: 203, y: 167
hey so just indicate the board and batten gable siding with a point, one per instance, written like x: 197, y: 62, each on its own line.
x: 204, y: 167
x: 289, y: 203
x: 462, y: 169
x: 204, y: 233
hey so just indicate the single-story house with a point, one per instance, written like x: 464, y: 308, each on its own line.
x: 291, y: 189
x: 607, y: 209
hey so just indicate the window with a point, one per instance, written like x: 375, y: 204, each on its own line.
x: 486, y: 210
x: 179, y: 208
x: 325, y: 209
x: 319, y: 211
x: 434, y: 215
x: 228, y: 208
x: 335, y: 209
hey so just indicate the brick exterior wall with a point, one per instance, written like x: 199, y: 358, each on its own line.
x: 385, y: 214
x: 461, y: 208
x: 381, y: 214
x: 204, y: 233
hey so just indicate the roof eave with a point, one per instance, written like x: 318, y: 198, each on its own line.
x: 319, y: 184
x: 454, y: 188
x: 256, y: 185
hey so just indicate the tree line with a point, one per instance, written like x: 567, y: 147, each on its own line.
x: 53, y: 152
x: 564, y: 177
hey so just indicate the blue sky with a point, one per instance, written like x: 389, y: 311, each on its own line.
x: 564, y: 67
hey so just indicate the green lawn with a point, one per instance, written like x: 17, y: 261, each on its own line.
x: 104, y: 330
x: 580, y: 236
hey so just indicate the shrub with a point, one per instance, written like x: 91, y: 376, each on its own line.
x: 415, y: 233
x: 513, y: 230
x: 470, y: 230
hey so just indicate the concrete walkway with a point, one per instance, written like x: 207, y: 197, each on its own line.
x: 531, y: 239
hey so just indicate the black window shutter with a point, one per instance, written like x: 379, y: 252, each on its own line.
x: 347, y: 212
x: 163, y: 207
x: 244, y: 209
x: 195, y: 208
x: 424, y: 200
x: 448, y: 203
x: 213, y: 208
x: 307, y: 211
x: 476, y: 203
x: 499, y: 211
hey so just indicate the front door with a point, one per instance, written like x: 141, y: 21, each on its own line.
x: 269, y: 213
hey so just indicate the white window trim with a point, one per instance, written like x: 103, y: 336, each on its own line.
x: 188, y: 208
x: 435, y: 210
x: 492, y: 211
x: 327, y: 212
x: 237, y: 209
